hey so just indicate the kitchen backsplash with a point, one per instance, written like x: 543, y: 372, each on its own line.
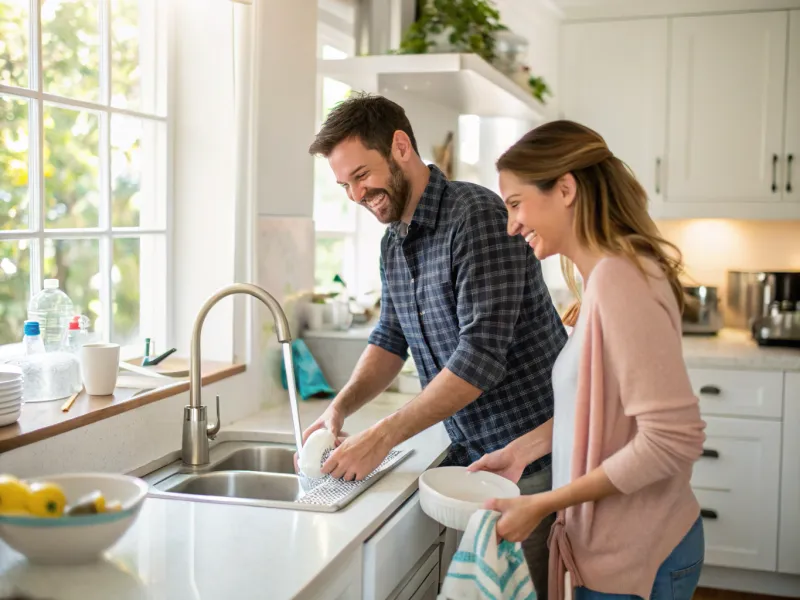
x: 712, y: 246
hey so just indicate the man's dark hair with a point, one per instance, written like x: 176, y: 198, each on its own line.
x: 372, y: 119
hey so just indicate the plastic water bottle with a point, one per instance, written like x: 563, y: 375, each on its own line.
x: 52, y: 308
x: 76, y: 334
x: 32, y: 338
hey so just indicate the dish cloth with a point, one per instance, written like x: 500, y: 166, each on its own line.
x: 307, y: 374
x: 482, y: 569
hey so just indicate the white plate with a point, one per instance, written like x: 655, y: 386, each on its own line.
x: 4, y: 404
x: 10, y: 384
x: 10, y: 418
x: 450, y: 495
x: 4, y: 396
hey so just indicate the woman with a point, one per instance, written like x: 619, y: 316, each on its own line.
x: 627, y: 426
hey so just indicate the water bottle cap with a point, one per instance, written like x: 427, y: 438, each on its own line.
x: 31, y: 328
x: 74, y: 324
x: 51, y: 284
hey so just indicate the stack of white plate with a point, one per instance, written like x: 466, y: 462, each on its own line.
x: 10, y: 394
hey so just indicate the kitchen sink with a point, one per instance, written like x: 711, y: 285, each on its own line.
x: 259, y: 474
x: 264, y: 459
x: 241, y: 484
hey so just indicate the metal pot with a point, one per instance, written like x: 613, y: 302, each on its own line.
x: 701, y: 312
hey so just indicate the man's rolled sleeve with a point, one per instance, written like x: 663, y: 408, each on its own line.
x: 490, y: 273
x: 388, y: 334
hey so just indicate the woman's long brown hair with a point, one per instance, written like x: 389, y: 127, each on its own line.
x: 610, y: 204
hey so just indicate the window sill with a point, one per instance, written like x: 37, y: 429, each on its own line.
x: 42, y: 420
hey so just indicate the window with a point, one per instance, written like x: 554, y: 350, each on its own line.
x: 83, y: 162
x: 347, y: 237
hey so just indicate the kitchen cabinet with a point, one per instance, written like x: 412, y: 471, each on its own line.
x: 702, y: 108
x: 738, y: 479
x: 737, y: 485
x: 726, y: 98
x: 399, y: 551
x: 791, y: 151
x: 615, y: 81
x: 789, y: 546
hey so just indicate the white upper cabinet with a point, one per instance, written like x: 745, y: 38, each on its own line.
x: 791, y: 174
x: 615, y: 81
x: 726, y: 117
x: 704, y: 109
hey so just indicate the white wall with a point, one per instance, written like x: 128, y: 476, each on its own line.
x: 129, y: 440
x: 203, y: 119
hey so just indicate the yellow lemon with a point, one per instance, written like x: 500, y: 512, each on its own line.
x: 13, y: 495
x: 46, y: 500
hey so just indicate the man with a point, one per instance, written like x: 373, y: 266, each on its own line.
x: 463, y: 295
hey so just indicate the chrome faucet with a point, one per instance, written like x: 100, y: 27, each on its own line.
x: 196, y: 430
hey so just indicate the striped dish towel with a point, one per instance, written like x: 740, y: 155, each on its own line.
x: 483, y: 570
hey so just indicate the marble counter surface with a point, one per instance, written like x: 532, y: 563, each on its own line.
x: 734, y: 349
x: 188, y: 550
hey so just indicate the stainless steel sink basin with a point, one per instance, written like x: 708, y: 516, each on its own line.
x: 264, y: 459
x: 258, y: 474
x: 240, y: 484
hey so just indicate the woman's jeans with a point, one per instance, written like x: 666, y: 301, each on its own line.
x: 677, y: 577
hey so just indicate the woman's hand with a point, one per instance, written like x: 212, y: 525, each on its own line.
x: 504, y: 462
x: 520, y: 516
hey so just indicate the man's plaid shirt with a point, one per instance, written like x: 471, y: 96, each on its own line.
x: 462, y: 294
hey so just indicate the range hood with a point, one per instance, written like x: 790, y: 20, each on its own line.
x: 464, y: 82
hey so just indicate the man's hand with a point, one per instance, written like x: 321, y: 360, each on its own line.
x: 504, y: 462
x: 332, y: 420
x: 359, y: 455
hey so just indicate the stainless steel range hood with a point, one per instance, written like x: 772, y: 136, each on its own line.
x: 464, y: 82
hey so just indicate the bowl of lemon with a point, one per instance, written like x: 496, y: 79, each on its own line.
x: 70, y: 518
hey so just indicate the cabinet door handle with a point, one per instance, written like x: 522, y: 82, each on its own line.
x: 710, y: 390
x: 789, y: 160
x: 774, y: 173
x: 658, y: 175
x: 707, y: 513
x: 708, y: 453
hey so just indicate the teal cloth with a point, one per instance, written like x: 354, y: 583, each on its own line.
x: 307, y: 374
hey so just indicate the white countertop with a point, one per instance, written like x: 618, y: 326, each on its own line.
x: 735, y: 349
x: 189, y: 550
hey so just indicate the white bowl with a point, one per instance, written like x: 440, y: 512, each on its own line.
x: 450, y: 495
x: 70, y: 540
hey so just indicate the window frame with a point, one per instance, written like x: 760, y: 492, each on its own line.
x: 105, y: 233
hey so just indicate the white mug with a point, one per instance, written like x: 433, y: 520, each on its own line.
x: 99, y: 368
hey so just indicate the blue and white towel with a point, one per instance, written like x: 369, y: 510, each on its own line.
x: 483, y: 570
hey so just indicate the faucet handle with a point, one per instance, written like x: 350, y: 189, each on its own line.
x: 212, y: 430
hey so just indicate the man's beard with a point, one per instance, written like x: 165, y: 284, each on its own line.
x: 391, y: 200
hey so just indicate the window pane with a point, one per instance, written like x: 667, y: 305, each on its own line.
x: 71, y: 168
x: 333, y: 210
x: 14, y: 27
x: 71, y: 48
x: 334, y: 256
x: 76, y: 265
x: 13, y: 163
x: 138, y: 288
x: 138, y: 55
x: 15, y: 265
x: 138, y: 172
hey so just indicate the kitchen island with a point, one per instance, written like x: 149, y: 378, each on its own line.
x: 180, y: 550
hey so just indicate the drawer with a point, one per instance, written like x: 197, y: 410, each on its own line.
x: 737, y: 484
x: 738, y: 393
x: 423, y: 581
x: 395, y: 549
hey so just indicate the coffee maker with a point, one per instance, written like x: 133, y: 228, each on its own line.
x: 767, y: 303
